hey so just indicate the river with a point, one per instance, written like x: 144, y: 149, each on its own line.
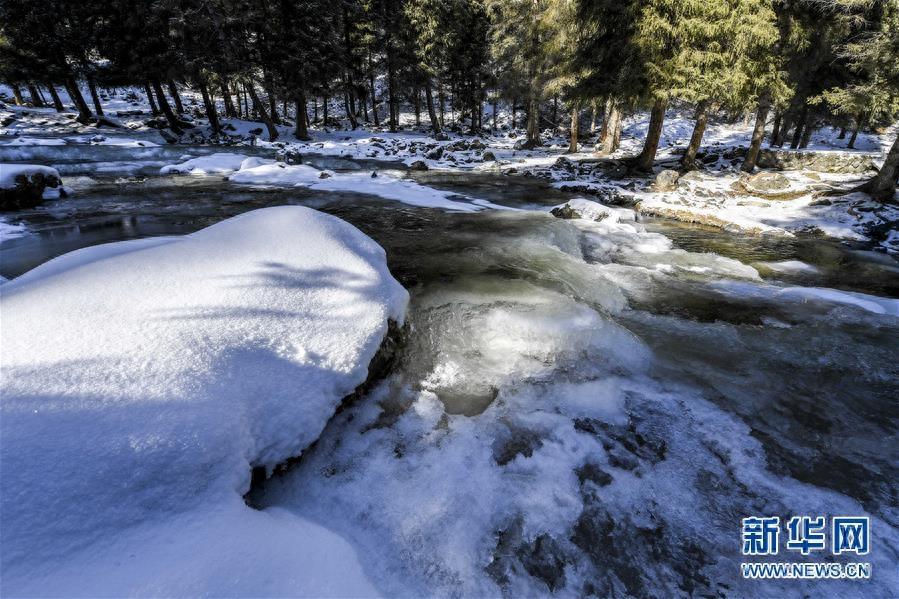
x: 575, y: 407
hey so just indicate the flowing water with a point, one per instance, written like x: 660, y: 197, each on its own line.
x: 576, y: 407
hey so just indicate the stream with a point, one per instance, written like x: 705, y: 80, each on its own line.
x: 576, y: 407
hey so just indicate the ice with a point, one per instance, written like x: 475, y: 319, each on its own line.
x: 814, y: 295
x: 163, y: 369
x: 10, y: 230
x: 37, y: 141
x: 218, y: 163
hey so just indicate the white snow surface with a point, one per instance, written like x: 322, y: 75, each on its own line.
x: 218, y: 163
x: 10, y: 230
x: 9, y: 172
x: 170, y: 367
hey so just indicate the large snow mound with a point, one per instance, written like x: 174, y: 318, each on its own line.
x: 143, y: 379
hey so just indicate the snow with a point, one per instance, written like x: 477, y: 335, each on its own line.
x: 10, y: 230
x: 814, y: 295
x: 9, y: 172
x: 218, y: 163
x: 170, y: 366
x: 385, y: 184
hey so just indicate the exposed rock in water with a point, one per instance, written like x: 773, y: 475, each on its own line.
x: 418, y: 165
x: 488, y: 156
x: 583, y: 209
x: 23, y: 186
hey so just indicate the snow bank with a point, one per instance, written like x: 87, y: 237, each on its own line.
x: 218, y: 163
x: 143, y: 379
x: 384, y: 184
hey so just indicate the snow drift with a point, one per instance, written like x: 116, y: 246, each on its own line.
x: 143, y: 379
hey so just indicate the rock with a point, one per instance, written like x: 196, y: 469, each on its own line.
x: 581, y: 209
x: 766, y: 182
x: 563, y: 163
x: 25, y: 188
x: 477, y: 144
x: 168, y: 137
x: 418, y: 165
x: 512, y: 171
x: 324, y: 175
x: 256, y: 131
x: 7, y: 119
x: 488, y: 156
x: 374, y: 174
x: 666, y: 180
x: 441, y: 136
x: 525, y: 144
x: 691, y: 176
x: 435, y: 154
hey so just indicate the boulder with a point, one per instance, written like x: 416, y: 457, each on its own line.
x: 488, y: 156
x: 581, y: 209
x: 435, y: 154
x: 525, y: 144
x: 766, y: 182
x: 24, y: 185
x: 666, y: 180
x: 418, y: 165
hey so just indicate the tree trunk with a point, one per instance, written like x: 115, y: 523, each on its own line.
x: 17, y: 94
x: 259, y: 107
x: 230, y: 112
x: 702, y: 118
x: 170, y: 117
x: 758, y: 133
x: 325, y: 110
x: 92, y: 86
x: 153, y: 108
x: 781, y: 137
x: 856, y: 126
x: 555, y: 113
x: 57, y: 102
x: 432, y: 114
x: 606, y: 117
x: 301, y: 131
x: 842, y: 134
x: 495, y: 103
x: 514, y: 107
x: 176, y: 97
x: 775, y: 132
x: 442, y: 99
x: 533, y: 139
x: 348, y: 107
x: 807, y: 134
x: 883, y: 186
x: 209, y: 106
x: 593, y: 118
x: 374, y: 97
x: 656, y: 119
x: 801, y: 124
x: 391, y: 92
x: 611, y: 130
x: 36, y: 99
x: 272, y: 103
x: 572, y: 144
x: 416, y: 102
x: 84, y: 113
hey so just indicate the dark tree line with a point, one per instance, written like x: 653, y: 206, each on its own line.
x: 794, y: 64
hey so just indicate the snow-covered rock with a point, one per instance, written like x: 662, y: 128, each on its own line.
x: 26, y: 185
x: 141, y: 382
x: 220, y: 163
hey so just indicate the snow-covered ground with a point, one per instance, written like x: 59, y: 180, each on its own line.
x: 142, y: 380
